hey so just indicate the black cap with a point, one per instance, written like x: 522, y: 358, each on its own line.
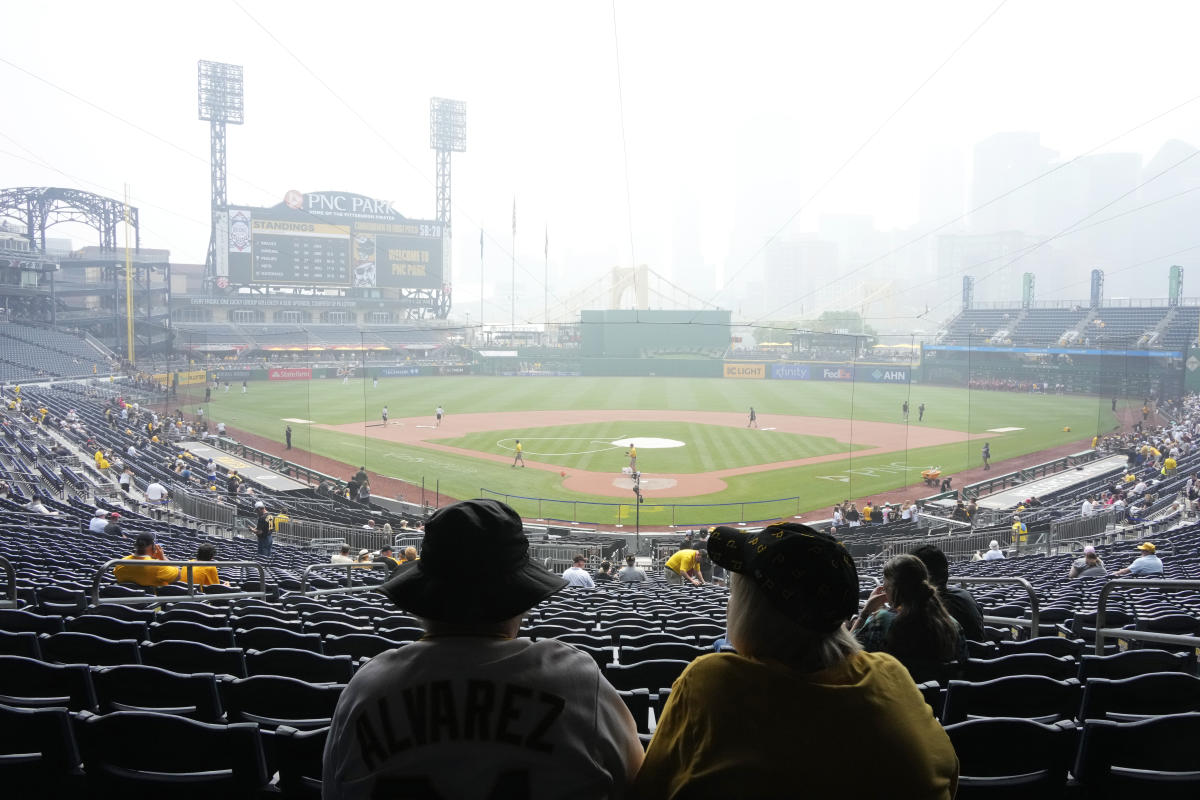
x: 807, y: 574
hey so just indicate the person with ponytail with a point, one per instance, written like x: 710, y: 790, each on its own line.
x: 914, y: 625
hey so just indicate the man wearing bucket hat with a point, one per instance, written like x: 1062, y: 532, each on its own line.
x: 1148, y: 563
x: 470, y: 710
x: 773, y: 719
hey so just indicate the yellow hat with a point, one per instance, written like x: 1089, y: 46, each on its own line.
x: 1146, y: 547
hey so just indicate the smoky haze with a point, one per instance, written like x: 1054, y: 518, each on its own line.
x: 777, y: 159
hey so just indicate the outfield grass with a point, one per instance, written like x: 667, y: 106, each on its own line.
x: 1041, y: 418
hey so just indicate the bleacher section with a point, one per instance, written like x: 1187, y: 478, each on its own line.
x: 252, y: 337
x: 1026, y: 709
x: 1112, y: 327
x: 28, y: 353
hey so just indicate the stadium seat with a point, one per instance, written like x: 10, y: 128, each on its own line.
x: 1133, y: 662
x: 1059, y: 668
x: 299, y: 756
x: 107, y: 627
x: 143, y: 688
x: 273, y: 700
x: 272, y: 638
x: 1023, y: 696
x: 638, y: 703
x: 1036, y: 767
x: 57, y: 600
x: 303, y: 665
x: 672, y: 650
x: 653, y: 675
x: 38, y: 753
x: 1156, y: 756
x: 86, y: 648
x: 336, y: 628
x: 127, y: 613
x: 1050, y: 645
x: 177, y: 613
x: 249, y: 621
x: 358, y: 645
x: 181, y: 656
x: 401, y: 633
x: 16, y: 620
x: 1131, y: 699
x: 20, y: 644
x: 34, y: 684
x: 192, y: 632
x: 174, y: 755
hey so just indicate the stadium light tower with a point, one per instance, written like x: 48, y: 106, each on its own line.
x: 219, y: 90
x: 447, y: 134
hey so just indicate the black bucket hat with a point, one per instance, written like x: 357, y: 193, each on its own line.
x: 474, y: 567
x: 806, y: 574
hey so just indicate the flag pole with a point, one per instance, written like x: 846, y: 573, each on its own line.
x: 513, y: 288
x: 546, y: 288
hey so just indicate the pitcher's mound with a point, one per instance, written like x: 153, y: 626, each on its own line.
x: 648, y: 484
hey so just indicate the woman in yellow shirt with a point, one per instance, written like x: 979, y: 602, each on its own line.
x: 203, y: 576
x: 813, y: 690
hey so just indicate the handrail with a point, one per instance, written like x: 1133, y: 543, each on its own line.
x: 1146, y: 636
x: 13, y: 600
x: 1034, y: 614
x: 107, y: 565
x: 349, y: 587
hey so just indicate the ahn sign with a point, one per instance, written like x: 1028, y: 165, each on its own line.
x: 884, y: 375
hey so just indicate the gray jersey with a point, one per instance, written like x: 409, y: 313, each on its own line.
x: 475, y: 718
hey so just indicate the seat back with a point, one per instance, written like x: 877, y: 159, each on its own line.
x: 654, y: 674
x: 358, y: 645
x: 671, y: 650
x: 1158, y: 756
x: 85, y: 648
x: 33, y: 684
x: 299, y: 756
x: 38, y: 752
x: 273, y: 700
x: 1130, y: 699
x: 173, y: 755
x: 300, y: 664
x: 180, y: 656
x: 192, y: 632
x: 1059, y: 668
x: 15, y: 620
x: 24, y: 644
x: 1019, y: 696
x: 1037, y: 765
x: 1133, y: 662
x: 1050, y: 645
x: 268, y: 638
x: 107, y: 627
x: 144, y: 688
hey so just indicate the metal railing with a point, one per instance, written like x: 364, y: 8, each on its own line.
x: 349, y: 586
x: 1080, y: 527
x: 103, y: 569
x: 1034, y: 615
x: 10, y: 575
x: 1143, y: 636
x: 204, y: 509
x: 305, y: 532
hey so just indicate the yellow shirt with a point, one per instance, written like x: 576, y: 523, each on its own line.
x: 684, y: 561
x: 787, y: 734
x: 1169, y: 465
x: 633, y: 452
x: 147, y: 574
x: 201, y: 576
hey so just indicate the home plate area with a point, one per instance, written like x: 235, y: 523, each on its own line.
x: 648, y: 484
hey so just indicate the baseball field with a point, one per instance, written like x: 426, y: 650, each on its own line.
x: 814, y: 443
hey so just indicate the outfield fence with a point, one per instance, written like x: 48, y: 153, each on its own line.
x: 687, y: 515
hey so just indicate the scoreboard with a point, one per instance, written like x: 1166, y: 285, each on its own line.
x: 333, y: 239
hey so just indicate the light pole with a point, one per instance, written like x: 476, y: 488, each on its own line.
x: 637, y: 512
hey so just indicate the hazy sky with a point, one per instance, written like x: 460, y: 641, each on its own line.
x: 721, y: 101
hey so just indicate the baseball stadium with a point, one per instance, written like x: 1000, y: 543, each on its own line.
x: 328, y: 514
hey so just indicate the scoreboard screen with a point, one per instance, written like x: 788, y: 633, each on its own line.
x: 333, y: 239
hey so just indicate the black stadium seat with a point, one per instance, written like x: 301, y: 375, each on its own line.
x: 1157, y: 757
x: 1139, y: 697
x: 175, y: 756
x: 1036, y: 766
x: 38, y: 753
x: 34, y: 684
x: 303, y: 665
x: 192, y: 632
x: 142, y: 688
x: 273, y: 700
x: 86, y: 648
x: 180, y: 656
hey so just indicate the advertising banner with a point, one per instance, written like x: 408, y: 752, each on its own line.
x: 399, y: 372
x: 835, y: 373
x: 790, y: 372
x: 886, y: 374
x: 289, y: 374
x: 192, y: 377
x: 737, y: 370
